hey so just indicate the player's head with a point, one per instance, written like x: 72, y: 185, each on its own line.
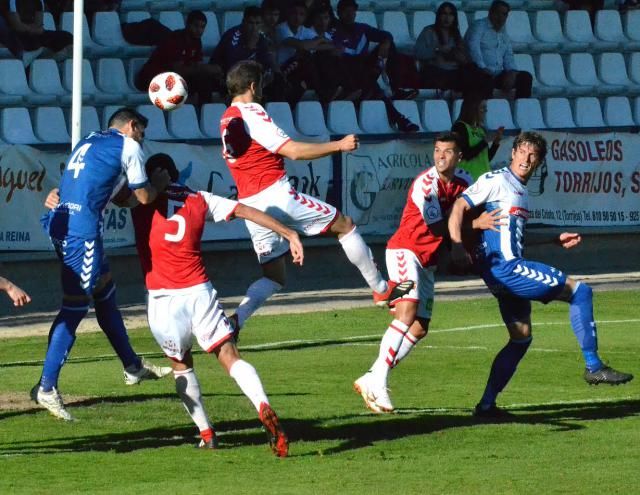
x: 161, y: 161
x: 196, y: 23
x: 528, y: 152
x: 244, y: 77
x: 447, y: 153
x: 130, y: 122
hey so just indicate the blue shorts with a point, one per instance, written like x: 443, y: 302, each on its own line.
x: 83, y: 263
x: 516, y: 282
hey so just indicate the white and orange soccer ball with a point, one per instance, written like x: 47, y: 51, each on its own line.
x: 168, y: 91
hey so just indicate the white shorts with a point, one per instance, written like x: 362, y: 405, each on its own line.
x: 403, y: 264
x: 178, y: 315
x: 303, y: 213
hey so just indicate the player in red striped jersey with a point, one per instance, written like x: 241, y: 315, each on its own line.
x: 182, y: 302
x: 254, y: 148
x: 412, y: 255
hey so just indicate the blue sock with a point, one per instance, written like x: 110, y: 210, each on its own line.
x: 503, y: 368
x: 61, y: 338
x: 584, y: 326
x: 110, y: 321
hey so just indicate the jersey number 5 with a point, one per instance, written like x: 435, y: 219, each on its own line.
x: 174, y: 206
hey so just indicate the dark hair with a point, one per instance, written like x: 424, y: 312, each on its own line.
x: 123, y: 115
x: 296, y: 4
x: 534, y: 139
x: 241, y: 75
x: 496, y: 4
x: 195, y: 15
x: 269, y: 5
x: 449, y: 137
x: 164, y: 162
x: 455, y: 29
x: 470, y: 110
x: 251, y: 11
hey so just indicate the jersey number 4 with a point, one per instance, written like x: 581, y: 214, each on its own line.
x: 76, y: 162
x: 173, y: 207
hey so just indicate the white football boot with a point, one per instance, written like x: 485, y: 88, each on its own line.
x: 375, y: 397
x: 147, y: 371
x: 51, y: 401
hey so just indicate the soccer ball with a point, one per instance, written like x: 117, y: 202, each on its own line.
x: 168, y: 91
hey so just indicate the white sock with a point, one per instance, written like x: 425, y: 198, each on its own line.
x: 188, y: 390
x: 249, y: 382
x: 408, y: 342
x: 257, y: 293
x: 389, y: 346
x: 360, y: 255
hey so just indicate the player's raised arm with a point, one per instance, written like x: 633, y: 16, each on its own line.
x: 297, y: 150
x: 256, y: 216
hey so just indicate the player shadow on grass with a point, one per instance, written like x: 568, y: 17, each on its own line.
x: 564, y: 417
x: 354, y: 432
x: 232, y: 434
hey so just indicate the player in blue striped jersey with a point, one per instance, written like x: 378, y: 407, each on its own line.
x: 516, y: 281
x: 100, y: 164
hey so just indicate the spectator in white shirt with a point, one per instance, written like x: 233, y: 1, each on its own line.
x: 490, y: 49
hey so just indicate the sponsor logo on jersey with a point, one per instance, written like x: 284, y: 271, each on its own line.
x: 519, y: 212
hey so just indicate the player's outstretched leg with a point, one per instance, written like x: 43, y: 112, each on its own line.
x: 61, y: 338
x: 360, y: 255
x: 257, y: 293
x: 249, y: 382
x: 503, y: 368
x: 110, y: 321
x: 584, y: 327
x: 188, y: 389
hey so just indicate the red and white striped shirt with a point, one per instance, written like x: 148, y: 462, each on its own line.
x: 428, y: 202
x: 250, y: 145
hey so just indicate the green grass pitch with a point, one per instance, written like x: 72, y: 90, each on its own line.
x: 567, y: 438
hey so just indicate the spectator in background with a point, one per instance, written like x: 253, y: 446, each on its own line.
x: 490, y: 49
x: 57, y: 7
x: 23, y: 31
x: 354, y: 38
x: 15, y: 293
x: 247, y: 42
x: 626, y: 5
x: 181, y: 52
x: 476, y: 153
x: 270, y: 19
x: 336, y: 75
x: 296, y: 43
x: 443, y: 57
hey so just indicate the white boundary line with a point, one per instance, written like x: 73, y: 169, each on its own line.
x: 336, y: 340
